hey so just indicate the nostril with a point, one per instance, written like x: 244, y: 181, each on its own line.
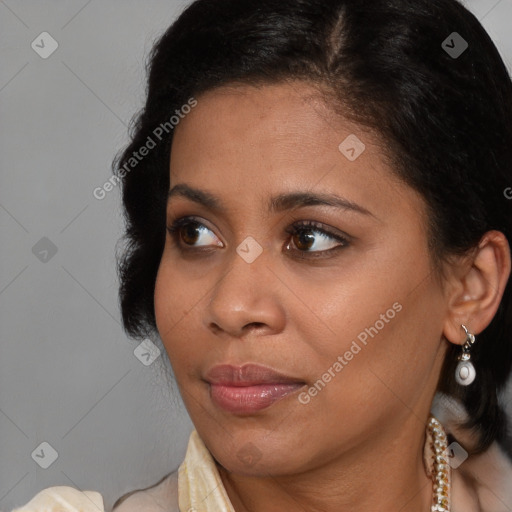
x: 254, y: 325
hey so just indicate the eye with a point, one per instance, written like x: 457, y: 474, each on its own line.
x: 188, y: 231
x: 309, y: 237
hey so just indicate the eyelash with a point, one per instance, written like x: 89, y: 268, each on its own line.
x: 293, y: 230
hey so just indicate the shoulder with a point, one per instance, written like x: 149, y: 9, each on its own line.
x: 160, y: 497
x: 63, y: 499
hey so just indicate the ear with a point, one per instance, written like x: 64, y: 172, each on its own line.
x: 476, y: 287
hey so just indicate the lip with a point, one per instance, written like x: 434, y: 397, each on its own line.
x: 249, y: 374
x: 248, y: 388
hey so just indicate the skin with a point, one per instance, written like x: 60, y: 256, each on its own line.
x: 357, y: 445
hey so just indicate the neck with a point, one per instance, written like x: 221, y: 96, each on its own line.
x: 386, y: 473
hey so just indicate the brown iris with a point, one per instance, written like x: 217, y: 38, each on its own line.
x: 189, y: 233
x: 305, y: 240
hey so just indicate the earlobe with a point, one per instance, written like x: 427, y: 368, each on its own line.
x: 478, y: 287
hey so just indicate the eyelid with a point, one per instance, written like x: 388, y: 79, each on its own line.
x: 342, y: 241
x: 342, y: 238
x: 190, y: 219
x: 320, y: 227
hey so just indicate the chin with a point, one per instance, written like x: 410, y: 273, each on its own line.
x: 254, y: 454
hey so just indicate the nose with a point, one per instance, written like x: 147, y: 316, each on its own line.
x: 246, y: 298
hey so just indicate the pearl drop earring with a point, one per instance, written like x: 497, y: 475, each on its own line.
x: 465, y: 373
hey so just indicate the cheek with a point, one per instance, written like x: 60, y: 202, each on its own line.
x: 177, y: 293
x: 385, y: 321
x: 367, y: 301
x: 165, y: 300
x: 172, y: 308
x: 179, y: 299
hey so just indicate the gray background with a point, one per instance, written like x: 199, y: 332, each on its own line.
x: 68, y: 373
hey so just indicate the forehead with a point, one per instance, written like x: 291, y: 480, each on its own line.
x: 275, y: 120
x: 245, y: 142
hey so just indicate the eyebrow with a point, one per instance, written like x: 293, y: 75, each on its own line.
x: 276, y: 204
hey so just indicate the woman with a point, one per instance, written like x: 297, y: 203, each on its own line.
x: 318, y: 226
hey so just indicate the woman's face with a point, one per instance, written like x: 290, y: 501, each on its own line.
x: 347, y: 309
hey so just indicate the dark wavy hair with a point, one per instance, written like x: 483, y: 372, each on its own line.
x: 444, y: 119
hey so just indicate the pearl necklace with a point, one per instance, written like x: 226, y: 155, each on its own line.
x: 437, y: 464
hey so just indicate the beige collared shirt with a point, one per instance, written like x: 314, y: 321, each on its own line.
x: 197, y: 487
